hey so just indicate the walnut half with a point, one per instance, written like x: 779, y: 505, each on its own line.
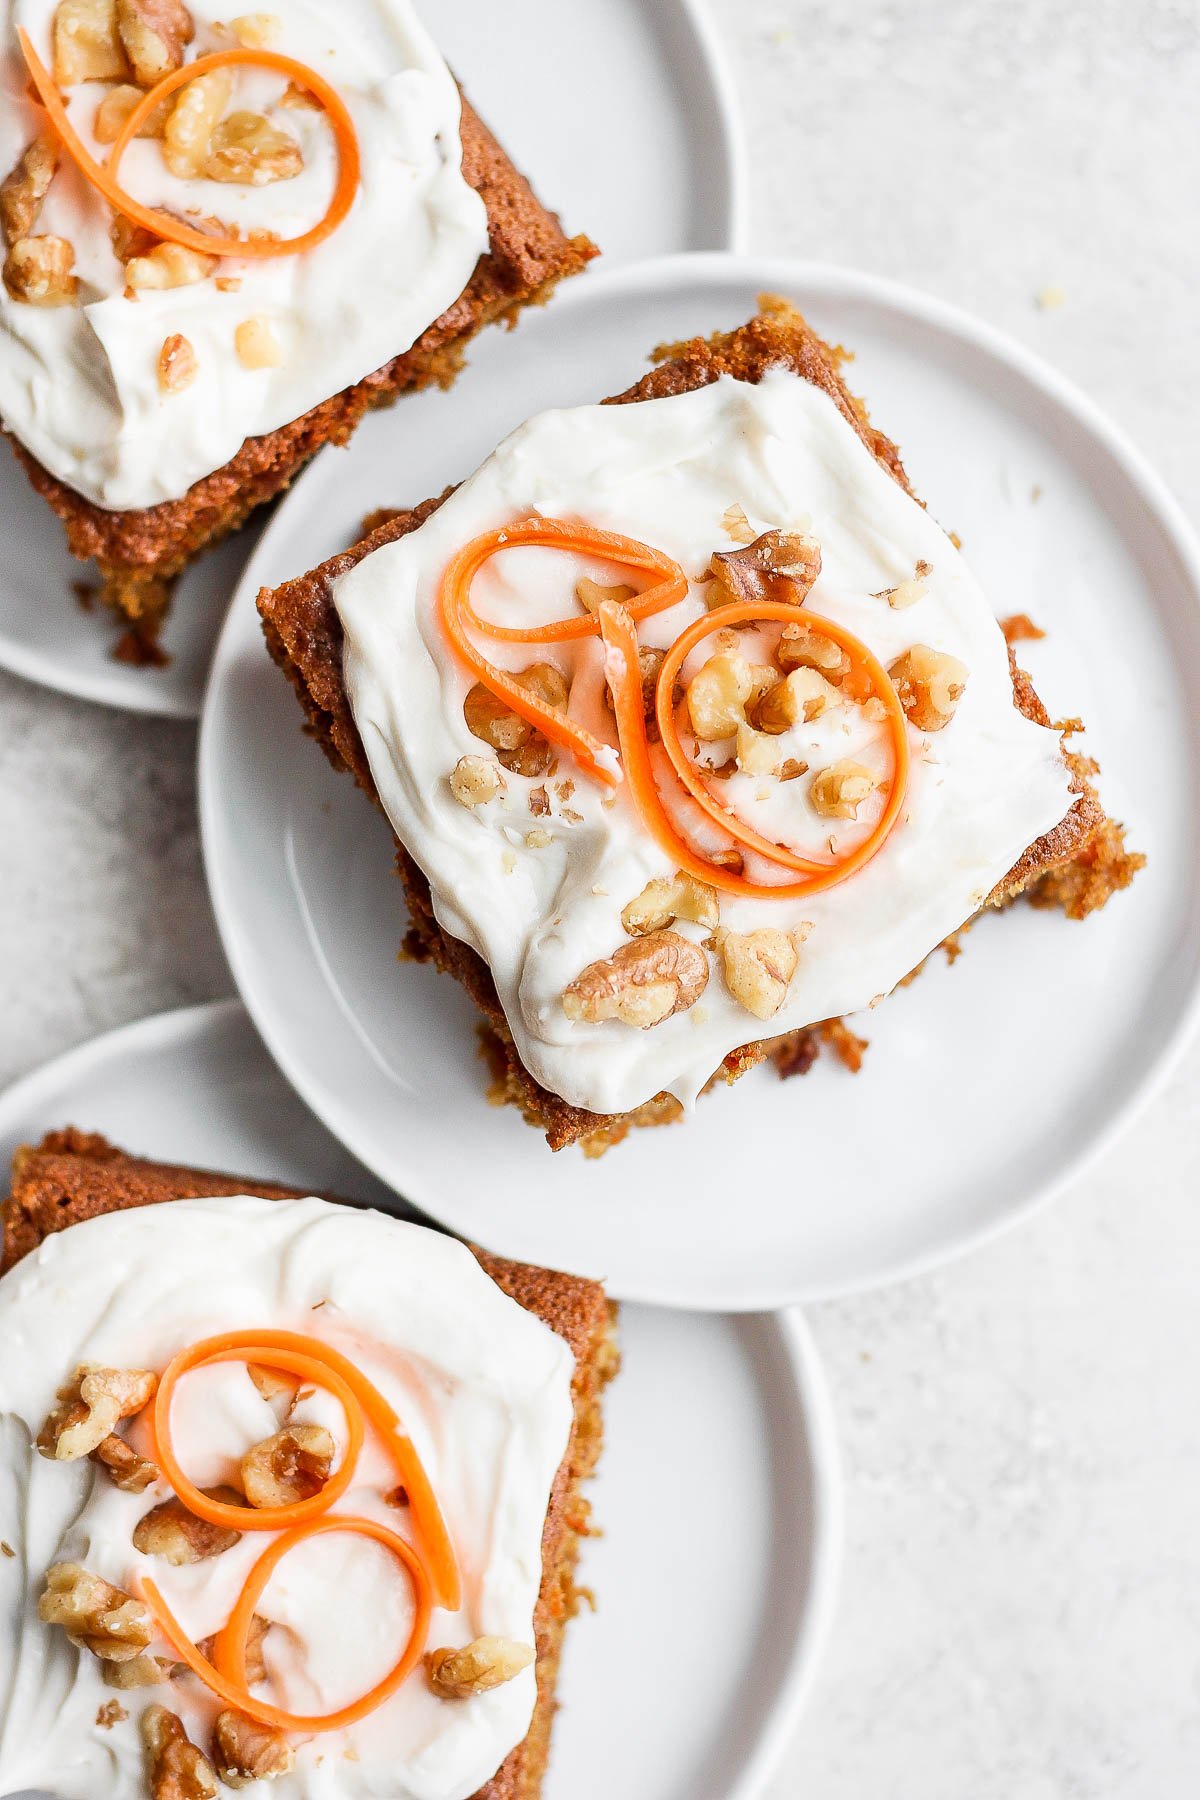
x: 95, y: 1615
x: 487, y: 1662
x: 176, y: 1769
x: 640, y: 984
x: 245, y: 1751
x: 779, y: 565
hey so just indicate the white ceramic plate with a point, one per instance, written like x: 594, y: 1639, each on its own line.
x: 987, y: 1086
x: 722, y: 1626
x: 676, y: 182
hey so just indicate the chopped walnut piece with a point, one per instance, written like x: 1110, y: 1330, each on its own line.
x: 245, y: 1751
x: 168, y: 266
x: 132, y: 1473
x: 188, y: 136
x: 792, y: 768
x: 248, y: 149
x: 256, y: 1662
x: 640, y: 984
x: 757, y: 753
x: 801, y: 647
x: 649, y: 663
x: 273, y: 1384
x: 294, y: 95
x: 779, y: 565
x: 25, y: 187
x: 839, y: 790
x: 256, y: 31
x: 92, y: 1404
x: 905, y: 594
x: 177, y: 365
x: 256, y: 344
x: 292, y: 1465
x: 590, y: 594
x: 474, y: 780
x: 109, y: 1714
x: 153, y: 34
x: 486, y: 1663
x: 538, y: 839
x: 179, y: 1537
x: 85, y: 43
x: 539, y: 802
x: 177, y: 1770
x: 719, y: 693
x: 519, y: 746
x: 802, y: 695
x: 661, y: 902
x: 116, y: 107
x: 759, y: 966
x: 736, y: 525
x: 41, y: 271
x: 95, y: 1615
x: 929, y: 685
x: 139, y: 1672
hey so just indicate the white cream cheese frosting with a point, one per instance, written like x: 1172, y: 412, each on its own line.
x: 482, y: 1386
x: 668, y: 472
x: 79, y: 384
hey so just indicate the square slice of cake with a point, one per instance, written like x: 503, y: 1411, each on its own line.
x: 694, y: 729
x: 167, y: 368
x: 118, y: 1269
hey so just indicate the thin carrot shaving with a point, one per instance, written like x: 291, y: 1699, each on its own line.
x: 868, y: 677
x: 361, y: 1402
x: 666, y: 586
x: 164, y: 225
x: 226, y: 1676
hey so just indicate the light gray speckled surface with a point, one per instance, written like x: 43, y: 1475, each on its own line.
x: 1021, y: 1613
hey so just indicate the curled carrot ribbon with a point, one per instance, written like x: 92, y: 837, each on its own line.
x: 431, y: 1567
x: 616, y: 624
x: 164, y: 225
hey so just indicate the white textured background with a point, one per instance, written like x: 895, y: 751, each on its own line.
x: 1021, y: 1612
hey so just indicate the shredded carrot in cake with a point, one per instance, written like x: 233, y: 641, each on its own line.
x: 164, y: 225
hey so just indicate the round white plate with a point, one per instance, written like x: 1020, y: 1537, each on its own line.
x: 722, y: 1627
x: 987, y: 1085
x: 677, y: 182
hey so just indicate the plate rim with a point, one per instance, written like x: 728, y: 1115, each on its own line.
x: 670, y: 274
x: 809, y: 1396
x: 135, y: 691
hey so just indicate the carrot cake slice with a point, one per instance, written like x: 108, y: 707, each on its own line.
x: 289, y: 1491
x: 226, y: 237
x: 694, y: 729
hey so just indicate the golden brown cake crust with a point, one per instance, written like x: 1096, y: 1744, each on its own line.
x: 73, y: 1175
x: 140, y: 551
x: 304, y: 636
